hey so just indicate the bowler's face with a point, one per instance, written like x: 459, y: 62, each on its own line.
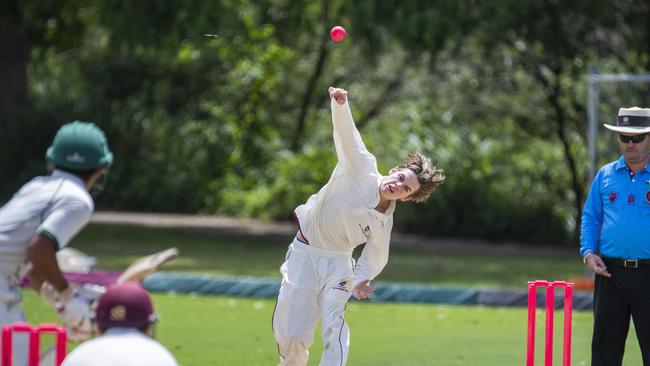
x: 399, y: 184
x: 634, y: 152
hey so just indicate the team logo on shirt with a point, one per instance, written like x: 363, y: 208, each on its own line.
x: 630, y: 199
x: 365, y: 231
x: 341, y: 286
x: 612, y: 197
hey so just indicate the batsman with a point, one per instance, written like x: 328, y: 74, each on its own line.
x: 355, y: 207
x: 41, y: 218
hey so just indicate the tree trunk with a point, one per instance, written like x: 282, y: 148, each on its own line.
x: 576, y: 185
x: 554, y: 90
x: 311, y: 84
x: 13, y: 62
x: 13, y: 92
x: 390, y: 89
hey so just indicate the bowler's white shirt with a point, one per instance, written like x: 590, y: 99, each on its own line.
x: 341, y: 215
x: 120, y: 347
x: 57, y: 206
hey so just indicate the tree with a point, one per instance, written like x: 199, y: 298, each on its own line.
x: 13, y: 82
x: 554, y: 42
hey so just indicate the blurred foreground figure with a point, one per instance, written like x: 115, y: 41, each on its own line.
x: 41, y: 218
x: 355, y: 207
x: 615, y: 242
x: 125, y: 321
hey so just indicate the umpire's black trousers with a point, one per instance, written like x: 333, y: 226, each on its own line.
x: 626, y: 293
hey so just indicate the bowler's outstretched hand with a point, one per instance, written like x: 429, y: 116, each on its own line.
x: 363, y: 290
x: 596, y: 265
x: 340, y: 95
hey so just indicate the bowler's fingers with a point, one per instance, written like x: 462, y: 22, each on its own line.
x: 340, y: 95
x: 363, y: 295
x: 370, y: 288
x: 366, y: 289
x: 362, y: 290
x: 370, y: 292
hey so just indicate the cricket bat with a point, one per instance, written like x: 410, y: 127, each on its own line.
x: 145, y: 266
x: 136, y: 272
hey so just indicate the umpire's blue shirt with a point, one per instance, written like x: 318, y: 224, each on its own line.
x: 619, y: 203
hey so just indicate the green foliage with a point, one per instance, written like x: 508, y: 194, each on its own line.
x: 494, y: 94
x: 290, y: 180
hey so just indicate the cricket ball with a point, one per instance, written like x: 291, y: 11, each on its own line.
x: 337, y: 33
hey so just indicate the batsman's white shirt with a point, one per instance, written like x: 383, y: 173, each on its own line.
x: 120, y: 347
x: 341, y: 215
x: 57, y: 206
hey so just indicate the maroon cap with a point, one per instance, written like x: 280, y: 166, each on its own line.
x: 124, y: 305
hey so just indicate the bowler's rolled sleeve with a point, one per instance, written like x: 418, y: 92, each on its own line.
x: 372, y: 261
x: 592, y: 218
x: 351, y: 152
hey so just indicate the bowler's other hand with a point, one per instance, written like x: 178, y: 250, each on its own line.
x: 340, y: 95
x: 596, y: 265
x: 363, y: 290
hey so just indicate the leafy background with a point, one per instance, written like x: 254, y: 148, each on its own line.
x: 238, y: 124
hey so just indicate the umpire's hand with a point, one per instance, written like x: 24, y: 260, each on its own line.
x: 596, y: 265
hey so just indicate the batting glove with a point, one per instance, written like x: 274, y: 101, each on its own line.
x: 75, y: 312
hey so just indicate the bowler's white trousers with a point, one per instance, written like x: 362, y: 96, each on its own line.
x: 316, y: 285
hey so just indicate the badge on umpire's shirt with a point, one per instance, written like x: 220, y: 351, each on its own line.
x: 612, y: 197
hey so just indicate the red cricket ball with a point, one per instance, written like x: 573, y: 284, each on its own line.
x: 337, y: 33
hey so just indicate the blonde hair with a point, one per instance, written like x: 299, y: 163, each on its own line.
x: 428, y: 175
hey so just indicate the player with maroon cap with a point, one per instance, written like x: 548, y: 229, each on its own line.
x: 125, y: 320
x: 125, y: 306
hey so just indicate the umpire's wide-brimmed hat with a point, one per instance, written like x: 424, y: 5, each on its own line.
x: 633, y: 121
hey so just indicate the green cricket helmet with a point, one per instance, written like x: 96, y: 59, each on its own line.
x: 79, y: 146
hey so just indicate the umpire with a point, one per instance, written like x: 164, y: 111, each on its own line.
x: 615, y: 242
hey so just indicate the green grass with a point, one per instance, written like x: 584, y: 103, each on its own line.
x: 203, y: 330
x: 229, y: 254
x: 215, y: 330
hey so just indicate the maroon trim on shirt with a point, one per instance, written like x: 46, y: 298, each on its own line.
x: 299, y: 228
